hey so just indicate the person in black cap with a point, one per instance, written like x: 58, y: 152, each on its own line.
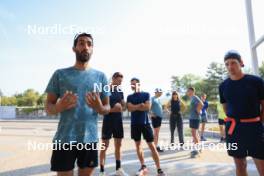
x: 113, y: 124
x: 242, y: 97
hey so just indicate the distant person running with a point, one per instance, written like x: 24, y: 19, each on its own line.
x: 138, y: 104
x: 204, y: 118
x: 113, y: 124
x: 71, y: 94
x: 156, y: 116
x: 242, y: 96
x: 194, y: 118
x: 176, y: 106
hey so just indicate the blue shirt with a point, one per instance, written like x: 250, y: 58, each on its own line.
x: 205, y: 107
x: 139, y: 117
x: 78, y: 124
x: 242, y: 97
x: 193, y: 107
x: 115, y: 97
x: 156, y: 107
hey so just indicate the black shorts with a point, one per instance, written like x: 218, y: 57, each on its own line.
x: 112, y: 126
x: 221, y: 122
x: 194, y: 123
x: 156, y: 121
x: 249, y: 139
x: 63, y: 159
x: 146, y: 130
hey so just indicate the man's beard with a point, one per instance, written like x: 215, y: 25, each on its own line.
x: 82, y: 56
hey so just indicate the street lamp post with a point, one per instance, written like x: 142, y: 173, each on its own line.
x: 252, y: 41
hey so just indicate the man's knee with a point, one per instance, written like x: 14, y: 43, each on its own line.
x: 86, y: 171
x: 67, y: 173
x: 118, y: 143
x: 105, y: 143
x: 151, y: 146
x: 241, y: 164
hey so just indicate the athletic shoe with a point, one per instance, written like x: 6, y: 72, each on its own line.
x: 142, y: 171
x: 161, y: 173
x: 102, y: 174
x: 203, y: 138
x: 159, y: 149
x: 121, y: 172
x: 222, y: 140
x: 194, y: 154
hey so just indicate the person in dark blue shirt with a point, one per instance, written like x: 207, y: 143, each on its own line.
x: 242, y: 96
x: 113, y: 124
x: 204, y: 118
x: 138, y: 104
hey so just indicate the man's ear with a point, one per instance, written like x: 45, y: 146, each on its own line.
x: 242, y: 63
x: 74, y: 49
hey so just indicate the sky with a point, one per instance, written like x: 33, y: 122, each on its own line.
x: 148, y: 39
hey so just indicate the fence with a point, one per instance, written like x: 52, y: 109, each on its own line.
x: 39, y: 113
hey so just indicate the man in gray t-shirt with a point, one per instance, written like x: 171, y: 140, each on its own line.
x: 194, y: 118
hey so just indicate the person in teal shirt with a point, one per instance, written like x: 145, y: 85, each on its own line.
x: 72, y: 93
x: 195, y: 116
x: 156, y: 116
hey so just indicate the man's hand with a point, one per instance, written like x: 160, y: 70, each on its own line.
x: 68, y: 101
x: 117, y: 108
x: 131, y: 107
x: 144, y: 106
x: 93, y: 100
x: 152, y: 115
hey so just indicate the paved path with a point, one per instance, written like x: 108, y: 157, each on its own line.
x: 18, y: 159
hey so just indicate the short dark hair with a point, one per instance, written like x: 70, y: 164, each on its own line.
x: 77, y: 36
x: 117, y: 74
x: 135, y: 79
x: 192, y: 89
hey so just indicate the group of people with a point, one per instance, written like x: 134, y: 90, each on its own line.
x: 139, y: 105
x: 70, y: 93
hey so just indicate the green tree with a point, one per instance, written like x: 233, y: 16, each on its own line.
x: 261, y: 70
x: 181, y: 84
x: 28, y: 98
x: 8, y: 101
x: 215, y: 74
x: 41, y: 100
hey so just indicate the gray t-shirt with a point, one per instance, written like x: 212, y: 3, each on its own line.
x: 78, y: 124
x: 193, y: 108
